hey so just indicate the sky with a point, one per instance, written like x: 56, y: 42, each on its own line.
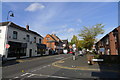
x: 64, y: 19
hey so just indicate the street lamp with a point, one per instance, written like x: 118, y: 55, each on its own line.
x: 11, y: 15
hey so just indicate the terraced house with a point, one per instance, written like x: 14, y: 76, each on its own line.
x: 110, y: 43
x: 22, y: 42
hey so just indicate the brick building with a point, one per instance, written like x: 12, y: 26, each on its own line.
x: 53, y: 42
x: 110, y: 43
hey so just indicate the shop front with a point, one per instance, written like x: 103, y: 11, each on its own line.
x: 17, y: 49
x: 41, y: 48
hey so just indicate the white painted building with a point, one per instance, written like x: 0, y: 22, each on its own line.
x: 23, y: 42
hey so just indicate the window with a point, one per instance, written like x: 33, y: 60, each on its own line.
x: 0, y: 31
x: 115, y: 38
x: 107, y: 41
x: 15, y: 35
x: 40, y: 41
x: 28, y: 38
x: 47, y: 38
x: 34, y: 39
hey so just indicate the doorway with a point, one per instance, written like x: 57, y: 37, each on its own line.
x: 30, y: 53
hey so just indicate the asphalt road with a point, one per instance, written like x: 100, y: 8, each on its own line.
x: 41, y: 68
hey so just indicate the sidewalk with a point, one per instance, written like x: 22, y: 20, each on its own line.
x: 81, y: 64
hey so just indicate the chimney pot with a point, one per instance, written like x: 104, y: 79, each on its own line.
x: 27, y: 27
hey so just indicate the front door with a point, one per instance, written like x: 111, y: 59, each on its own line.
x: 30, y: 53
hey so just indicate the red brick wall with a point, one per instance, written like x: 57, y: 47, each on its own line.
x: 112, y: 44
x: 50, y: 45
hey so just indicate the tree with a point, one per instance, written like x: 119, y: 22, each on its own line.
x: 89, y: 34
x: 77, y: 42
x: 74, y: 39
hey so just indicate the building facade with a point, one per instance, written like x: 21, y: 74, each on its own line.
x: 22, y: 42
x: 53, y: 42
x: 110, y: 43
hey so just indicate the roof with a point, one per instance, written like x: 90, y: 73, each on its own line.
x: 4, y: 23
x: 56, y: 37
x: 107, y: 34
x: 19, y: 27
x: 52, y: 37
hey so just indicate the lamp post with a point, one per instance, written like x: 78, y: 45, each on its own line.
x: 11, y: 15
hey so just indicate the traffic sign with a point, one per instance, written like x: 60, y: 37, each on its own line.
x: 7, y: 46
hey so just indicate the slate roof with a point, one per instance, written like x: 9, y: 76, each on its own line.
x: 19, y: 27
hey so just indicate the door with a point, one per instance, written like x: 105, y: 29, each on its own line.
x: 30, y: 52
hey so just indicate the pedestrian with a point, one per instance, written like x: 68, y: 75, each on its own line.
x: 80, y: 53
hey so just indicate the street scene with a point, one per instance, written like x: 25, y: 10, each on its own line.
x: 60, y: 41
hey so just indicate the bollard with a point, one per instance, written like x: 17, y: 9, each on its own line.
x: 73, y: 57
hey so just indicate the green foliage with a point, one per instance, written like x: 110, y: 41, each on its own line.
x: 89, y: 34
x: 79, y: 43
x: 74, y: 39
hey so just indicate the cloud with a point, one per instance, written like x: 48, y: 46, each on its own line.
x: 35, y: 7
x: 64, y: 26
x: 70, y: 30
x: 79, y: 20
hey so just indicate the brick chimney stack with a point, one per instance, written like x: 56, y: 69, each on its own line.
x: 27, y: 27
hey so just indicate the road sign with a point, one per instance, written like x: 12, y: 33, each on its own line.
x: 7, y: 46
x: 102, y: 49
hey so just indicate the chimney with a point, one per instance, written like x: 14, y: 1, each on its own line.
x: 27, y: 27
x: 54, y: 34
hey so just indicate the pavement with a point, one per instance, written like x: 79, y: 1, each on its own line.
x: 81, y: 64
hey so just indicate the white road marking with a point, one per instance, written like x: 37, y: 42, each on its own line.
x: 31, y: 75
x: 16, y: 77
x: 40, y: 68
x: 59, y: 77
x: 25, y: 74
x: 59, y: 58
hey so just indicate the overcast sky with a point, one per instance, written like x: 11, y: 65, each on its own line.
x: 64, y: 19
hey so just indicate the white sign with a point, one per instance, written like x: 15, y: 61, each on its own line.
x: 97, y: 60
x: 102, y: 49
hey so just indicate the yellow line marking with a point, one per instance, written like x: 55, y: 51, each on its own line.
x: 56, y: 64
x: 36, y: 59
